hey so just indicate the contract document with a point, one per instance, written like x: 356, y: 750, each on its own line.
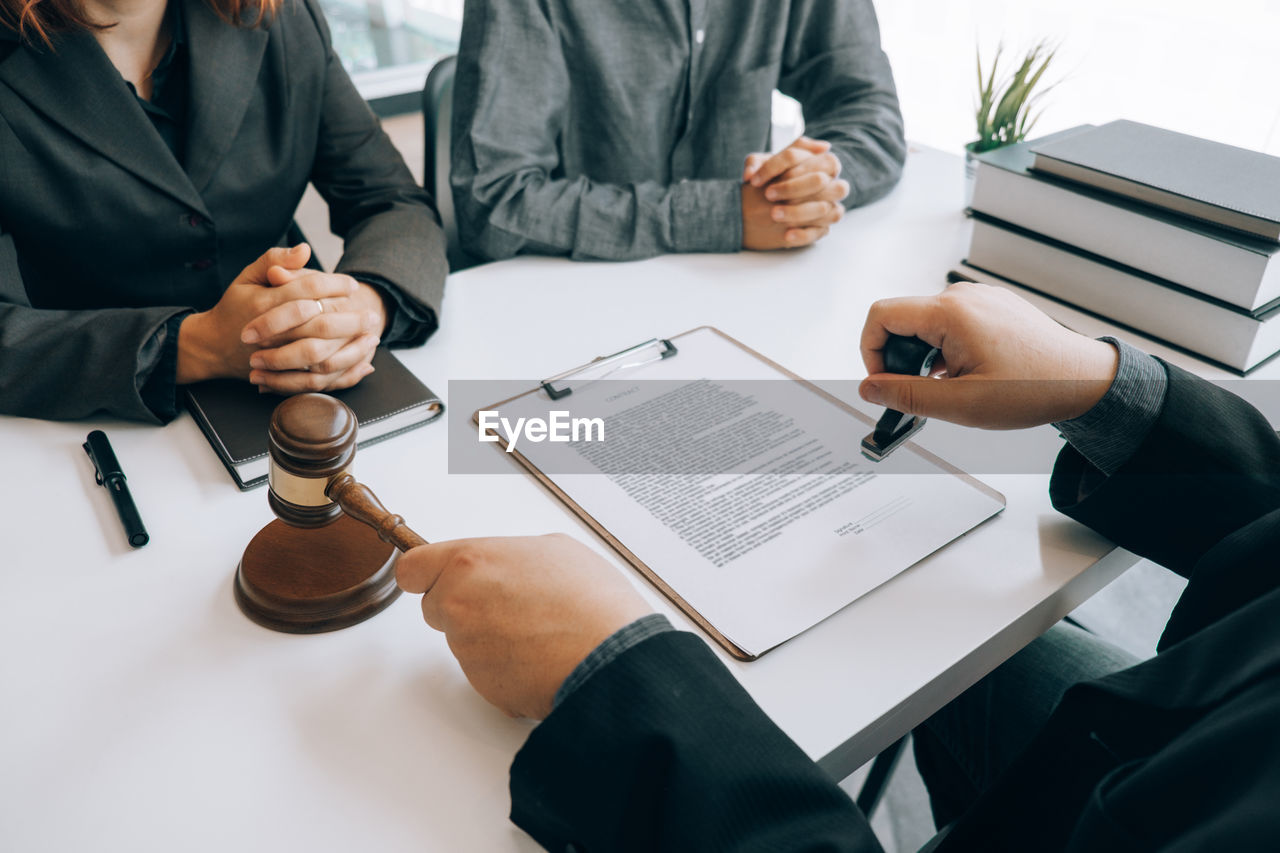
x: 735, y: 487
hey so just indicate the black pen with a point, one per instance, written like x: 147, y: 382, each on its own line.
x: 108, y: 473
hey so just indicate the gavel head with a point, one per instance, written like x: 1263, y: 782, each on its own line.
x: 312, y: 441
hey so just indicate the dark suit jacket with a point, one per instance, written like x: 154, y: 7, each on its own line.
x: 662, y: 750
x: 104, y: 235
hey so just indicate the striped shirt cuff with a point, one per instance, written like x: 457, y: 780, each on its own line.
x: 603, y: 654
x: 1109, y: 433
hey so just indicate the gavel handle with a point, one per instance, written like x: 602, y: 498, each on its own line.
x: 359, y: 502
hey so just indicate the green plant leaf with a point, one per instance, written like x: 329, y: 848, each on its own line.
x: 1004, y: 105
x: 986, y: 96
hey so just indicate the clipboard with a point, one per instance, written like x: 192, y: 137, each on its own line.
x: 630, y: 362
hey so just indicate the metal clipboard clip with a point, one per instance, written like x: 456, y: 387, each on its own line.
x: 604, y: 366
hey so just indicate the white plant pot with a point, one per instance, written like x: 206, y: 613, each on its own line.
x: 970, y: 172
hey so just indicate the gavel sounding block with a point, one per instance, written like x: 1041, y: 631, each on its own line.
x: 305, y: 581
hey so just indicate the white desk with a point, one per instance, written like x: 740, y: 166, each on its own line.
x: 142, y: 712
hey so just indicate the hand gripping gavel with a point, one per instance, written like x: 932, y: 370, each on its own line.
x: 312, y: 443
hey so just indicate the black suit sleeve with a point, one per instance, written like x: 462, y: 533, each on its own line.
x: 66, y: 364
x: 1209, y: 466
x: 663, y: 750
x: 391, y: 232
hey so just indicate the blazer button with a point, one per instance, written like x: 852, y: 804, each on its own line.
x: 201, y: 264
x: 195, y: 220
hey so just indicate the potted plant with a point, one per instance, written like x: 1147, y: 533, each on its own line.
x: 1004, y: 106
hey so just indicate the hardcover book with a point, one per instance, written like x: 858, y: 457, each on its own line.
x: 1237, y: 339
x: 1229, y: 265
x: 1229, y: 186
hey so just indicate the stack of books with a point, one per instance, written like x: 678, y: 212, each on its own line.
x: 1173, y: 236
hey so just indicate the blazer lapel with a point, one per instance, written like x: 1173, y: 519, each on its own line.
x: 224, y: 71
x: 76, y: 86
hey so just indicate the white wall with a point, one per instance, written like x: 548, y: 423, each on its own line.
x: 1206, y: 67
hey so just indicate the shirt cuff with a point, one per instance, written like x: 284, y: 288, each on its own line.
x: 157, y: 376
x: 706, y: 216
x: 409, y: 323
x: 848, y: 168
x: 617, y: 643
x: 1109, y: 433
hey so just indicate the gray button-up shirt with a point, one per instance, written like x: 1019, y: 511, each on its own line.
x: 619, y: 130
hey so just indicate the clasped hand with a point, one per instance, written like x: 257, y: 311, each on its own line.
x: 285, y: 328
x: 792, y: 198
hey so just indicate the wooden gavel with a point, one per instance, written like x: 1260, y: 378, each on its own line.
x: 312, y: 444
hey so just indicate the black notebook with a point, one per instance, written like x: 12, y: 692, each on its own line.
x: 234, y: 416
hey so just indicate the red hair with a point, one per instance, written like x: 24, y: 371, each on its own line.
x: 41, y: 19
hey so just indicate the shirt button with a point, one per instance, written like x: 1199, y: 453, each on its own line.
x: 700, y: 36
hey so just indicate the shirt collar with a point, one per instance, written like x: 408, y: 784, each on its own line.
x: 177, y: 36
